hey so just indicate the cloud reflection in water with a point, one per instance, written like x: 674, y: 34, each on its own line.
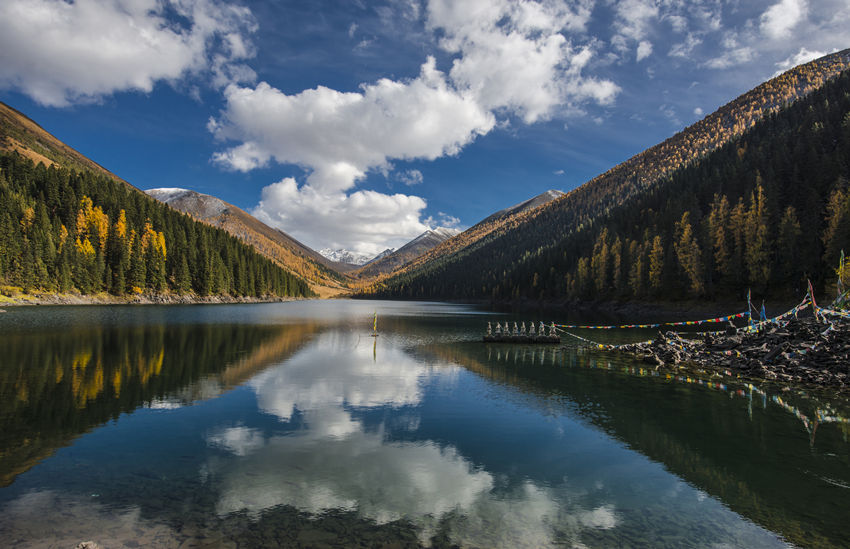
x: 337, y: 463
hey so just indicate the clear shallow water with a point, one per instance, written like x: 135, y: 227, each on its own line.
x: 287, y: 424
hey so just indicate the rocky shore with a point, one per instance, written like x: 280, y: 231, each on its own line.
x: 813, y: 350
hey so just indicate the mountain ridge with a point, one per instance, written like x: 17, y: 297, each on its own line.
x: 390, y: 262
x: 21, y: 134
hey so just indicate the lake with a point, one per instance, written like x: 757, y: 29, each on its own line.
x: 287, y: 424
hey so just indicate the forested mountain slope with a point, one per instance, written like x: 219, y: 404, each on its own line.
x: 62, y: 230
x: 679, y: 220
x: 274, y: 244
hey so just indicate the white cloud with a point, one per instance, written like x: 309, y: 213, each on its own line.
x: 445, y: 221
x: 802, y: 56
x: 340, y: 136
x: 512, y: 59
x: 61, y: 53
x: 684, y: 49
x: 730, y: 58
x: 411, y: 177
x: 644, y: 50
x: 633, y: 19
x: 558, y: 172
x: 698, y: 112
x: 679, y: 23
x: 362, y: 221
x: 778, y: 20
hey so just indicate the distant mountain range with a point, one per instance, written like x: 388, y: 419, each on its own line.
x: 707, y: 212
x: 389, y: 261
x: 326, y: 270
x: 347, y: 257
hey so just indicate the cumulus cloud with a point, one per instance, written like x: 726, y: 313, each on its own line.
x: 87, y: 49
x: 511, y: 59
x: 341, y: 135
x: 778, y: 20
x: 362, y: 221
x: 514, y: 56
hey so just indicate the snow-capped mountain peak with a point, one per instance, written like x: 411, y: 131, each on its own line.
x: 346, y: 256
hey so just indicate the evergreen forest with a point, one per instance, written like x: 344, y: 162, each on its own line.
x: 64, y: 230
x: 766, y: 211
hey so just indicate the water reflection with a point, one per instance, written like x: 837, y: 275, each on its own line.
x: 56, y: 385
x: 804, y: 405
x: 718, y: 433
x: 341, y: 368
x: 334, y: 460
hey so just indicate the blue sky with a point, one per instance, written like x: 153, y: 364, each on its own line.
x: 358, y: 124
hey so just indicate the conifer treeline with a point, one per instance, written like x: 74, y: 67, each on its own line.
x: 766, y: 211
x: 63, y: 230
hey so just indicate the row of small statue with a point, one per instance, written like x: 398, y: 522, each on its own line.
x: 520, y: 330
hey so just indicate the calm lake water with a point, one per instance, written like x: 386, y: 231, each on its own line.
x: 287, y: 424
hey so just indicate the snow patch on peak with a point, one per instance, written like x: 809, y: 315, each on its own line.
x: 164, y: 194
x: 446, y: 232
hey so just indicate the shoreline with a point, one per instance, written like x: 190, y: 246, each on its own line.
x: 27, y: 300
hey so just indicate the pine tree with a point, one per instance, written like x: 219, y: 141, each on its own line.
x: 836, y: 236
x: 787, y: 249
x: 656, y: 265
x: 689, y: 254
x: 718, y: 223
x: 758, y: 245
x: 136, y: 280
